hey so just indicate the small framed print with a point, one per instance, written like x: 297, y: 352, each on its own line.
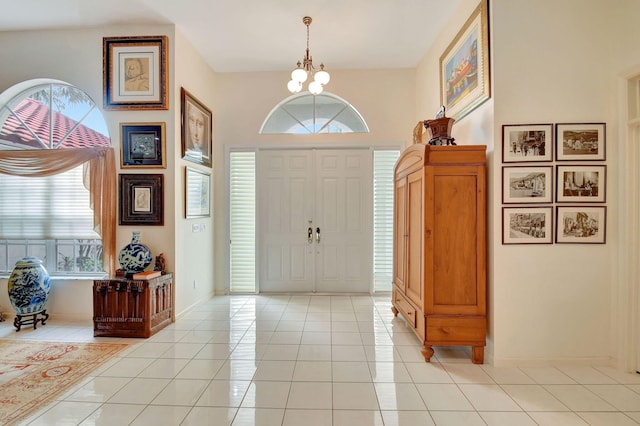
x: 197, y: 129
x: 141, y: 199
x: 581, y: 184
x: 527, y: 225
x: 521, y: 184
x: 197, y: 193
x: 527, y: 143
x: 580, y: 142
x: 135, y: 72
x: 143, y: 145
x: 581, y: 224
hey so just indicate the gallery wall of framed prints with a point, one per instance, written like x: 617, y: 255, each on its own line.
x: 551, y: 198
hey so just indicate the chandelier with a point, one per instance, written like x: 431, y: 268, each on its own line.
x: 306, y: 69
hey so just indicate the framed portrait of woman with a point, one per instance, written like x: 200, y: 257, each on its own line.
x: 197, y: 129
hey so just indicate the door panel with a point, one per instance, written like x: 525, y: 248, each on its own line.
x: 344, y: 253
x: 285, y: 257
x: 333, y: 190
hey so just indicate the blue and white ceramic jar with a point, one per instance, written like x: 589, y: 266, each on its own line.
x: 135, y: 256
x: 29, y: 286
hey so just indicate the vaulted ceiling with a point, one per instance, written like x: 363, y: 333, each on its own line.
x: 262, y: 35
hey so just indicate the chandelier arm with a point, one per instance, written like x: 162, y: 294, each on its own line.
x: 307, y: 62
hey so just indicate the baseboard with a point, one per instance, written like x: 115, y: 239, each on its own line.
x: 553, y: 362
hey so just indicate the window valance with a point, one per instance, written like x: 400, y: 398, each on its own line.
x: 99, y: 179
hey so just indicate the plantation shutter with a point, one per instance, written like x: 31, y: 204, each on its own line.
x: 243, y: 221
x: 51, y: 207
x: 383, y: 165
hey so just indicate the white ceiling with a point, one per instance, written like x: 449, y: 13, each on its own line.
x: 262, y: 35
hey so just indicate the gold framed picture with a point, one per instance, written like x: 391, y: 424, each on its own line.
x: 464, y: 66
x: 135, y: 72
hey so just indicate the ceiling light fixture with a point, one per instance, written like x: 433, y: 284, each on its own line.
x: 306, y: 69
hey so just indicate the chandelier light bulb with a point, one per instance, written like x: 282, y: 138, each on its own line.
x: 315, y: 88
x: 299, y: 75
x: 322, y: 77
x: 306, y: 68
x: 294, y: 86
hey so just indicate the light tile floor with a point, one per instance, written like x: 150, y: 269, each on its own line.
x: 319, y: 360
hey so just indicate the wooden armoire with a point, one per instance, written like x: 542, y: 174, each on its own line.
x: 439, y: 254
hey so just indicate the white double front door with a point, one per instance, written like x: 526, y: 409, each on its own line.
x: 315, y: 220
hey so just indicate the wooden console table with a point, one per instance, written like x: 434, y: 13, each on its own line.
x: 132, y: 308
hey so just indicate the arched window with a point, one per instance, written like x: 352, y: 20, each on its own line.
x: 52, y: 137
x: 305, y: 113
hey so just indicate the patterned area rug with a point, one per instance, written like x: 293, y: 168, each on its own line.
x: 33, y: 373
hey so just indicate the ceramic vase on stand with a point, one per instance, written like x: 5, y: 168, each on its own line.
x: 135, y: 256
x: 29, y: 288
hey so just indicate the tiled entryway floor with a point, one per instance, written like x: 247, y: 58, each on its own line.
x: 319, y: 360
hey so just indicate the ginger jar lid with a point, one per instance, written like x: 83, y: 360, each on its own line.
x: 29, y: 260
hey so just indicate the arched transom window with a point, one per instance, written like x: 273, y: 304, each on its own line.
x: 305, y: 113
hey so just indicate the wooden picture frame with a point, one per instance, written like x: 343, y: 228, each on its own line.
x: 529, y: 143
x: 581, y: 141
x: 197, y: 129
x: 581, y: 224
x: 581, y: 184
x: 197, y: 193
x: 464, y: 66
x: 135, y: 72
x: 522, y: 184
x: 527, y: 225
x: 141, y: 199
x: 142, y: 145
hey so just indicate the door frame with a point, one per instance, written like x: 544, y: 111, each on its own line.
x: 255, y: 147
x: 626, y: 275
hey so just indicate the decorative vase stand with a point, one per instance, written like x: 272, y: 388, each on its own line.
x: 31, y: 319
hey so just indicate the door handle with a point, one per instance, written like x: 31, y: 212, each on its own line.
x: 318, y: 235
x: 309, y: 235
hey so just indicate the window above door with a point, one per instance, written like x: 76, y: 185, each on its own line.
x: 305, y: 113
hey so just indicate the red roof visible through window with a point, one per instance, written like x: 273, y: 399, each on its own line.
x: 36, y: 115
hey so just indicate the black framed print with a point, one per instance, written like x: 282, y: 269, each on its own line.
x: 581, y: 184
x: 581, y: 224
x: 527, y: 143
x: 143, y: 145
x: 522, y: 184
x: 580, y: 141
x: 141, y: 199
x: 527, y: 225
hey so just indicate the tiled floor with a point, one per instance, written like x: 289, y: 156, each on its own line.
x: 320, y: 360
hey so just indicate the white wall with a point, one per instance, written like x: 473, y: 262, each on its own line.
x: 551, y: 62
x: 195, y: 257
x: 75, y: 56
x: 385, y: 98
x: 557, y: 62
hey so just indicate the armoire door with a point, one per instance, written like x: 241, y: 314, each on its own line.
x: 414, y: 284
x: 315, y: 209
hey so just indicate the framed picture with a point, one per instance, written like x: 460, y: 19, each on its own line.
x: 197, y: 193
x: 522, y: 184
x: 464, y: 66
x: 135, y: 72
x: 581, y: 224
x: 197, y: 129
x: 143, y: 145
x: 141, y: 199
x: 527, y: 143
x: 581, y: 184
x: 582, y: 142
x: 527, y: 225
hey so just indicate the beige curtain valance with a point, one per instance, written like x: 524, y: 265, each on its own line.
x: 99, y: 179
